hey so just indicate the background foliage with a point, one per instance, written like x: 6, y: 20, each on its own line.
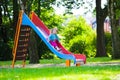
x: 79, y: 36
x: 76, y: 35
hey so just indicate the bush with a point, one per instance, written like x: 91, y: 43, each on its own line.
x: 5, y: 52
x: 82, y: 44
x: 6, y: 42
x: 80, y: 37
x: 77, y: 45
x: 108, y: 44
x: 47, y: 56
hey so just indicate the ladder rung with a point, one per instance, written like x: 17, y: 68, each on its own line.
x: 20, y: 57
x: 21, y: 48
x: 25, y: 29
x: 23, y: 44
x: 21, y: 53
x: 25, y: 33
x: 23, y: 39
x: 25, y: 47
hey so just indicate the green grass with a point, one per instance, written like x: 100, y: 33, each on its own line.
x: 62, y: 73
x: 44, y: 61
x: 89, y: 72
x: 102, y: 59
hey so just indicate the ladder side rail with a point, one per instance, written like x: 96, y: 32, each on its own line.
x: 16, y: 37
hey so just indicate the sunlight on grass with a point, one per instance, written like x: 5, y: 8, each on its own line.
x: 62, y: 73
x: 102, y: 59
x: 87, y: 72
x: 78, y: 77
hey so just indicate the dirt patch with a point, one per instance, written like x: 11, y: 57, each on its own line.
x: 102, y: 63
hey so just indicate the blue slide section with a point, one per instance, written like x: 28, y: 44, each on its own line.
x: 27, y: 21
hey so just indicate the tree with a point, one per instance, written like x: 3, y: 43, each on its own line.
x: 100, y: 17
x: 70, y: 4
x: 6, y: 29
x: 0, y: 15
x: 15, y: 14
x: 33, y: 53
x: 114, y: 14
x: 35, y: 42
x: 79, y: 37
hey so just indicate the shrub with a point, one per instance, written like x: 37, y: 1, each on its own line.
x: 5, y: 52
x: 108, y: 43
x: 77, y: 45
x: 47, y: 56
x: 82, y: 44
x: 79, y: 37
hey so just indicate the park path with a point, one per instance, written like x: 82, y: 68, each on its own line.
x: 62, y: 65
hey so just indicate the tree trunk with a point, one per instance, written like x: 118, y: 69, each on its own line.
x: 33, y: 52
x: 39, y: 8
x: 101, y: 52
x: 114, y: 27
x: 100, y: 30
x: 15, y: 14
x: 0, y: 15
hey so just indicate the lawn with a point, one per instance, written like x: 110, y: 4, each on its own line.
x: 84, y: 72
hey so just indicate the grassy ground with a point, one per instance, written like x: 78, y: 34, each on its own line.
x: 85, y: 72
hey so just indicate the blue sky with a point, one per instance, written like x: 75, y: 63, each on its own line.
x: 81, y: 10
x: 89, y: 16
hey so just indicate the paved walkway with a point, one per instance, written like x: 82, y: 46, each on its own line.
x: 62, y: 65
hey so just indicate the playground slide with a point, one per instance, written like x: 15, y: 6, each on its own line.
x: 43, y: 32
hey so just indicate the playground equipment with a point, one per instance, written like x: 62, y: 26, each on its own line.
x: 21, y: 41
x: 24, y: 25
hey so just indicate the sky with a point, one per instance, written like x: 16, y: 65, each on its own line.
x: 89, y: 16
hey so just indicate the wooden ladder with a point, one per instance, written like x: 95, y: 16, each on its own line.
x: 21, y: 41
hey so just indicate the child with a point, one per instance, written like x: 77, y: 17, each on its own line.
x: 54, y: 39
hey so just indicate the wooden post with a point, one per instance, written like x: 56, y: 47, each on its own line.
x: 24, y: 60
x: 17, y: 37
x: 23, y: 63
x: 68, y: 63
x: 77, y: 64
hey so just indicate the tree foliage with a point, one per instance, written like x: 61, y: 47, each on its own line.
x: 108, y: 44
x: 6, y: 30
x: 50, y: 19
x: 79, y: 37
x: 9, y: 13
x: 69, y: 5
